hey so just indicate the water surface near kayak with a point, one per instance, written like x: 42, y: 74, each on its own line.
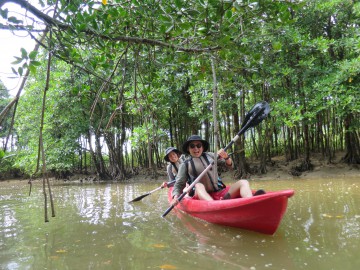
x: 96, y: 228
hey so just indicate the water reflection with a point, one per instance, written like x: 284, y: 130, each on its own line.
x: 94, y: 205
x: 327, y: 213
x: 96, y: 228
x: 231, y: 248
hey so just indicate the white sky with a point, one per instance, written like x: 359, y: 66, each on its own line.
x: 10, y: 45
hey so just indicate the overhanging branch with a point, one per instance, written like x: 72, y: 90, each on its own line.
x: 135, y: 40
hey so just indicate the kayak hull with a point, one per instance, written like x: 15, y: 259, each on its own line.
x: 261, y: 213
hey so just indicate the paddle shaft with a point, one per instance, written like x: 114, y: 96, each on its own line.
x: 244, y: 128
x: 156, y: 189
x: 147, y: 194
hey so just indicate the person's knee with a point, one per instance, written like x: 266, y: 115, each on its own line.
x: 243, y: 182
x: 199, y: 186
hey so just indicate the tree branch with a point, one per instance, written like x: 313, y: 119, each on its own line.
x: 52, y: 22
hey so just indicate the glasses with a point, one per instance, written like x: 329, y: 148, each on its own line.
x: 199, y: 145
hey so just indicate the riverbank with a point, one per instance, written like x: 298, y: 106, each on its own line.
x: 281, y: 169
x: 278, y: 169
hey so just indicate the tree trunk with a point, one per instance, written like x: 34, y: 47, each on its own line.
x: 97, y: 158
x: 352, y: 145
x: 115, y: 154
x: 264, y: 150
x: 243, y: 168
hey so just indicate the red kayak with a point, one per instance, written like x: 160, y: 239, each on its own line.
x: 261, y: 213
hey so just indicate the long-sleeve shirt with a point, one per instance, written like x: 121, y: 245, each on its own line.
x: 171, y: 170
x: 186, y: 171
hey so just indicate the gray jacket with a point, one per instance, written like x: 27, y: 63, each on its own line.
x: 186, y: 171
x: 171, y: 170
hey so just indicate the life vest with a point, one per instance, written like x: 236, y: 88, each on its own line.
x: 196, y: 166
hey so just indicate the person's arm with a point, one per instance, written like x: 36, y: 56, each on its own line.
x: 181, y: 179
x: 170, y: 173
x: 224, y: 158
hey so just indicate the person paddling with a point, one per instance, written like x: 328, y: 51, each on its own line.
x: 174, y: 157
x: 209, y: 187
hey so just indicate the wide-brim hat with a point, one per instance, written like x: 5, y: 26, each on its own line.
x: 194, y: 138
x: 169, y: 150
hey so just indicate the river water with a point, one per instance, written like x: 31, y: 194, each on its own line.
x: 96, y: 228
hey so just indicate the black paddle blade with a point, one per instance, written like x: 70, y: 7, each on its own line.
x: 140, y: 197
x: 258, y: 113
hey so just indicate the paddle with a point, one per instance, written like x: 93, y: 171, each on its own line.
x: 147, y: 194
x: 253, y: 118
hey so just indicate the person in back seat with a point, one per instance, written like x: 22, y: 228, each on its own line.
x: 174, y: 157
x: 209, y: 187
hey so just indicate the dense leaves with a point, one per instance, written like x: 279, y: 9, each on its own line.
x: 129, y: 78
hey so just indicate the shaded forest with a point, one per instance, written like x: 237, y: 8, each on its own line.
x: 110, y: 85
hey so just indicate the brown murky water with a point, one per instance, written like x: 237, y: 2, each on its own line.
x: 95, y: 228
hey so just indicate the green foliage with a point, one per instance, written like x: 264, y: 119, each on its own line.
x: 6, y: 164
x: 139, y: 66
x: 26, y: 61
x: 4, y: 94
x: 5, y: 121
x: 62, y: 127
